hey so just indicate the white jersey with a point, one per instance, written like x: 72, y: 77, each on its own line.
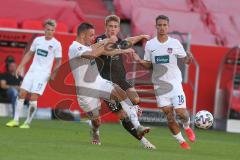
x: 44, y: 53
x: 164, y: 59
x: 84, y: 70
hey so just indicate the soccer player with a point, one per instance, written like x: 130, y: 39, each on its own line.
x: 90, y: 86
x: 161, y: 54
x: 112, y: 69
x: 45, y: 49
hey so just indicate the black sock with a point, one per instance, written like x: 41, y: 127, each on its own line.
x: 127, y: 124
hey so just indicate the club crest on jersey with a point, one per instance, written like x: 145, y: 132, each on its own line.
x: 170, y: 50
x: 50, y: 47
x: 79, y: 48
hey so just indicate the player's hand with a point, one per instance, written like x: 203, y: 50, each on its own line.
x: 129, y: 50
x: 136, y: 56
x: 146, y: 37
x: 188, y: 58
x: 18, y: 71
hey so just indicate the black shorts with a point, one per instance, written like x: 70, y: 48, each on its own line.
x: 123, y: 84
x: 114, y: 107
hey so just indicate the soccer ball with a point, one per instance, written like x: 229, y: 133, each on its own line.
x: 203, y: 119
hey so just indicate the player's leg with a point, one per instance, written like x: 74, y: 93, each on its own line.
x: 91, y: 106
x: 38, y: 86
x: 95, y: 124
x: 24, y: 90
x: 174, y: 127
x: 127, y: 124
x: 120, y: 95
x: 133, y: 96
x: 110, y: 91
x: 179, y: 102
x: 185, y: 119
x: 32, y: 109
x: 19, y: 106
x: 135, y: 111
x: 182, y: 113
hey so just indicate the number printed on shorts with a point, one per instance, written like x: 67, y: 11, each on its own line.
x: 180, y: 99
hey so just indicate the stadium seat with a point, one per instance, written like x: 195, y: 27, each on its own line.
x: 61, y: 27
x: 8, y: 23
x: 225, y: 27
x: 93, y: 7
x: 229, y: 7
x: 179, y: 21
x: 124, y: 8
x: 99, y: 23
x: 236, y: 23
x: 32, y: 24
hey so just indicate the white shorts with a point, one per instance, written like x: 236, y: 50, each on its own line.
x: 35, y: 82
x: 88, y: 103
x: 175, y: 98
x: 89, y: 97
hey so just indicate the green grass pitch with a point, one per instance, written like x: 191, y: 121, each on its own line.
x: 59, y: 140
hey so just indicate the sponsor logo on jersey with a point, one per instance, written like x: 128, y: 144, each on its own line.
x: 153, y: 50
x: 50, y: 47
x: 170, y: 50
x: 41, y: 52
x: 162, y: 59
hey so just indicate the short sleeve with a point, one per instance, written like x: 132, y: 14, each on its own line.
x: 147, y: 54
x: 34, y: 45
x: 78, y: 51
x: 179, y: 50
x: 58, y: 51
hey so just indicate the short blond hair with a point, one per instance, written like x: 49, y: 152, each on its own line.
x: 112, y: 18
x: 50, y: 22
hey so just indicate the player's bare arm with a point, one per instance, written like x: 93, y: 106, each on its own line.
x: 112, y: 39
x: 118, y: 51
x: 56, y: 68
x: 136, y: 39
x: 25, y: 59
x: 188, y: 59
x: 145, y: 64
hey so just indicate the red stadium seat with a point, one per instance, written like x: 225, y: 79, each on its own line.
x: 61, y: 27
x: 99, y: 23
x: 74, y: 30
x: 32, y: 24
x: 8, y: 23
x: 124, y: 8
x: 143, y: 20
x: 224, y: 26
x: 229, y: 7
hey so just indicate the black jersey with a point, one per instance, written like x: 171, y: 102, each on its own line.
x: 112, y: 68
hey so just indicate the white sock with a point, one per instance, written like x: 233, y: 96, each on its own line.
x: 19, y: 107
x: 179, y: 137
x: 144, y: 140
x: 31, y: 111
x: 126, y: 104
x: 186, y: 125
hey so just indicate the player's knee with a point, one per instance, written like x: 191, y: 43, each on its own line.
x: 34, y: 97
x: 135, y: 100
x: 183, y: 115
x: 170, y: 117
x: 119, y: 93
x: 22, y: 94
